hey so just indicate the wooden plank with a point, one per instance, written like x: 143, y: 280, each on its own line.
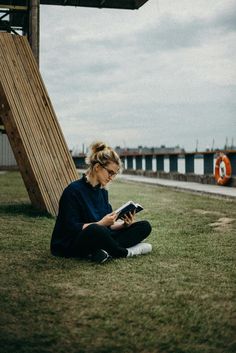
x: 58, y: 145
x: 32, y: 127
x: 41, y: 151
x: 19, y: 152
x: 29, y: 134
x: 20, y: 136
x: 56, y: 129
x: 48, y: 125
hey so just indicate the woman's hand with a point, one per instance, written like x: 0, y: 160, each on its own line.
x: 128, y: 219
x: 108, y: 220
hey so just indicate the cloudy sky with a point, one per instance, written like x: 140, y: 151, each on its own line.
x: 165, y: 74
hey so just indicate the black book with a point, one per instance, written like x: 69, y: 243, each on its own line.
x: 129, y: 206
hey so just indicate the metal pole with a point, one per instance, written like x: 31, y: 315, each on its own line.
x: 33, y: 34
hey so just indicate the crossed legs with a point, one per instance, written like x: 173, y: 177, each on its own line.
x: 115, y: 243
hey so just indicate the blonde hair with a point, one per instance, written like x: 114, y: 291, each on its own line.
x: 102, y: 154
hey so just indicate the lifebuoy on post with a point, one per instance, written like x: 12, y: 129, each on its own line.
x: 223, y: 170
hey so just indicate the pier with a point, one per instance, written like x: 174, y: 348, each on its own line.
x: 165, y: 165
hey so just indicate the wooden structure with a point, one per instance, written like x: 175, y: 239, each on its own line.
x: 25, y: 108
x: 31, y: 125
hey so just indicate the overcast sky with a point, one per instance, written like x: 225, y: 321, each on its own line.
x: 165, y: 74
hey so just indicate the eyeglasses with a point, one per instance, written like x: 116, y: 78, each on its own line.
x: 111, y: 173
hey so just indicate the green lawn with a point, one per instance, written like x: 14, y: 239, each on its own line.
x: 180, y: 298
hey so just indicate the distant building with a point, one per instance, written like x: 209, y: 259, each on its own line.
x: 146, y: 150
x: 7, y: 159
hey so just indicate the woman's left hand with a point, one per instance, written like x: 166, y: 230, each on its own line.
x: 128, y: 219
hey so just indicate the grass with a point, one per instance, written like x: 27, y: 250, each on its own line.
x: 178, y: 299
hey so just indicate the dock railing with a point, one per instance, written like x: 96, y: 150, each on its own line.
x: 183, y: 166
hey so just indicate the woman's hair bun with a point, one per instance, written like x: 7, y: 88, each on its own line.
x: 98, y: 146
x: 101, y: 153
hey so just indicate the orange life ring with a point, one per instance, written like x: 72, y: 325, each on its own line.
x: 223, y: 170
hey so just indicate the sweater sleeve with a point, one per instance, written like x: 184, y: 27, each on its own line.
x: 70, y: 211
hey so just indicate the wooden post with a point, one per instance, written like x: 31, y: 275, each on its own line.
x: 173, y: 163
x: 160, y: 163
x: 130, y: 162
x: 208, y: 163
x: 148, y: 162
x: 232, y: 157
x: 189, y: 163
x: 139, y: 162
x: 33, y: 33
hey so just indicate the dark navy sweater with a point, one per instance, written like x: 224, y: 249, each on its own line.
x: 80, y: 203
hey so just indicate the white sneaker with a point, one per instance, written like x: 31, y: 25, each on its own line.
x: 139, y: 249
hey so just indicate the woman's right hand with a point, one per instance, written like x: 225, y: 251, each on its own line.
x: 108, y: 220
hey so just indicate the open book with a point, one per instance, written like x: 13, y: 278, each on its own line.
x: 129, y: 206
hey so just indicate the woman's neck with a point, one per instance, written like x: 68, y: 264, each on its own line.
x: 92, y: 180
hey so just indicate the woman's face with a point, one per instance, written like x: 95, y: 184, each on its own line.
x: 105, y: 174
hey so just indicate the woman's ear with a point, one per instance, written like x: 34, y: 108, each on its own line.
x: 96, y: 167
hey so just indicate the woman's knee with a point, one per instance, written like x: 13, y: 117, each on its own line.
x: 96, y: 231
x: 146, y: 227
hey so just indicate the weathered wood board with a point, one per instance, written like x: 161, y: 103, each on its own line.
x: 31, y: 124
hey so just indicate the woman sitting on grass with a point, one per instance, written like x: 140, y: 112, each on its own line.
x: 86, y: 226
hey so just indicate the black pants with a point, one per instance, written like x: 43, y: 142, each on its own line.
x: 95, y: 237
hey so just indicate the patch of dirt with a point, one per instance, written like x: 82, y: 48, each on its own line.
x: 74, y: 290
x: 223, y: 223
x: 202, y: 212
